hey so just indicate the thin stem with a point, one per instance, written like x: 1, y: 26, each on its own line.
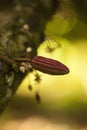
x: 22, y: 59
x: 10, y: 61
x: 15, y: 59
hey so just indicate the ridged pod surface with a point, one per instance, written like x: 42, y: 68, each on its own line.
x: 49, y: 66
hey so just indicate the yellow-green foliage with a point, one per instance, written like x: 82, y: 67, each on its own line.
x: 60, y: 25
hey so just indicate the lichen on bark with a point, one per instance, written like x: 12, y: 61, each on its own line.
x: 9, y: 79
x: 22, y: 28
x: 22, y: 25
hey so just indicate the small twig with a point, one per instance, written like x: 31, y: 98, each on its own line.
x: 14, y: 60
x: 10, y: 61
x: 22, y: 59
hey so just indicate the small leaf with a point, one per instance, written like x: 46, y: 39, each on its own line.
x: 49, y: 66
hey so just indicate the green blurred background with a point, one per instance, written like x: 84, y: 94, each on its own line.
x: 63, y: 98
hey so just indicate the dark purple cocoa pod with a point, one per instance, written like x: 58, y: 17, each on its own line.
x: 49, y: 66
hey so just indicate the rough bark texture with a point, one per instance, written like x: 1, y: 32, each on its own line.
x: 22, y: 24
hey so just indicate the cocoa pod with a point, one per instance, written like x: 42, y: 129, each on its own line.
x: 49, y: 66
